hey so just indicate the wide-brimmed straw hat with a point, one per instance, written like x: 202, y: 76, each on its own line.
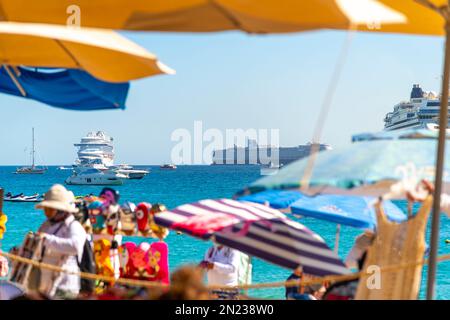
x: 58, y: 198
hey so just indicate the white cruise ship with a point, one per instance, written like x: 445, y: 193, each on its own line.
x: 95, y: 148
x: 421, y: 111
x: 95, y: 163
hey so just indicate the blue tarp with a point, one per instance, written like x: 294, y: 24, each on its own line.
x: 70, y: 89
x: 347, y: 210
x: 277, y: 199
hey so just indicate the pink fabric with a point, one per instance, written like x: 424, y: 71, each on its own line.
x: 145, y: 262
x: 200, y: 225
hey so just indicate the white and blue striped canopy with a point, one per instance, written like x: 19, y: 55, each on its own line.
x: 257, y: 230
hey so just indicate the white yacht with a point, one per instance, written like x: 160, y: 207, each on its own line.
x: 129, y: 171
x: 421, y: 111
x: 95, y: 177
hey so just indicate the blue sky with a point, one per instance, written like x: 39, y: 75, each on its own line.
x: 232, y: 80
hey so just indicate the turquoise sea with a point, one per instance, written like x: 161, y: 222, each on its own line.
x: 186, y: 184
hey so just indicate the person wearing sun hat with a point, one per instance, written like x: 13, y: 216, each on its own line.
x: 63, y: 242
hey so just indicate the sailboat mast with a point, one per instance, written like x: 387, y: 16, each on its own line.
x: 32, y: 144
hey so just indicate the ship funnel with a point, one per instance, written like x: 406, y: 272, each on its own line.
x: 416, y: 91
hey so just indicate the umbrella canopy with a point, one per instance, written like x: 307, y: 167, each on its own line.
x: 256, y: 230
x: 253, y: 16
x: 68, y: 89
x: 277, y: 199
x: 104, y: 54
x: 368, y: 167
x: 353, y: 211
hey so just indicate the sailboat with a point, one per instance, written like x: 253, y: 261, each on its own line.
x: 33, y: 169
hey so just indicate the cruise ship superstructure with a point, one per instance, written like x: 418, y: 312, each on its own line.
x: 95, y: 163
x: 421, y: 111
x: 96, y: 148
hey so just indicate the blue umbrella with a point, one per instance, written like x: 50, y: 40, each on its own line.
x: 277, y: 199
x: 68, y: 89
x: 367, y: 167
x: 352, y: 211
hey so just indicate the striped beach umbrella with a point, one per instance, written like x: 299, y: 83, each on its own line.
x: 257, y: 230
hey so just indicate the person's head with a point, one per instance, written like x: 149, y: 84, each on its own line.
x: 186, y: 283
x: 57, y: 199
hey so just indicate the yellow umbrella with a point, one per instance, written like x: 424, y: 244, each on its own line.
x: 104, y: 54
x: 253, y: 16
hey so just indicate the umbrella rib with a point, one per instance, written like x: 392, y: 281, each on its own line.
x: 443, y: 10
x: 15, y: 81
x: 229, y: 16
x: 2, y: 14
x: 67, y: 51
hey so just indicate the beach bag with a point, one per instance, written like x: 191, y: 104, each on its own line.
x: 87, y: 265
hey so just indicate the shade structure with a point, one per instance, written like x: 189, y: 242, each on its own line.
x: 104, y: 54
x: 369, y: 167
x: 252, y: 16
x: 354, y: 211
x: 256, y: 230
x: 277, y: 199
x: 70, y: 89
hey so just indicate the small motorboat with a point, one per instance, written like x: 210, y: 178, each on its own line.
x: 168, y: 167
x: 270, y: 169
x: 64, y: 168
x: 22, y: 198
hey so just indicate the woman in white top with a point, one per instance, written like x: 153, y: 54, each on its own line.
x: 63, y: 242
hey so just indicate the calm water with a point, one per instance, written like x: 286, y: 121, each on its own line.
x: 186, y: 184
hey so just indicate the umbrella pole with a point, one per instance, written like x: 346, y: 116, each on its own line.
x: 443, y: 114
x: 336, y: 241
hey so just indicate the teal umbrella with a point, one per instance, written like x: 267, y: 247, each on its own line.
x: 370, y: 166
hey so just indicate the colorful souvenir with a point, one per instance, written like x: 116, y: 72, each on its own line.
x: 158, y: 231
x: 96, y: 216
x: 112, y: 219
x: 110, y: 196
x: 3, y: 220
x: 142, y: 217
x: 103, y: 261
x: 158, y: 262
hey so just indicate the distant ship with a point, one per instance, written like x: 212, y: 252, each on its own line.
x: 252, y: 154
x: 421, y: 111
x: 95, y: 163
x: 33, y: 169
x: 168, y: 166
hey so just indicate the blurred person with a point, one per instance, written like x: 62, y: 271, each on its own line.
x: 345, y: 290
x: 307, y: 292
x: 186, y: 284
x: 222, y: 269
x: 63, y: 243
